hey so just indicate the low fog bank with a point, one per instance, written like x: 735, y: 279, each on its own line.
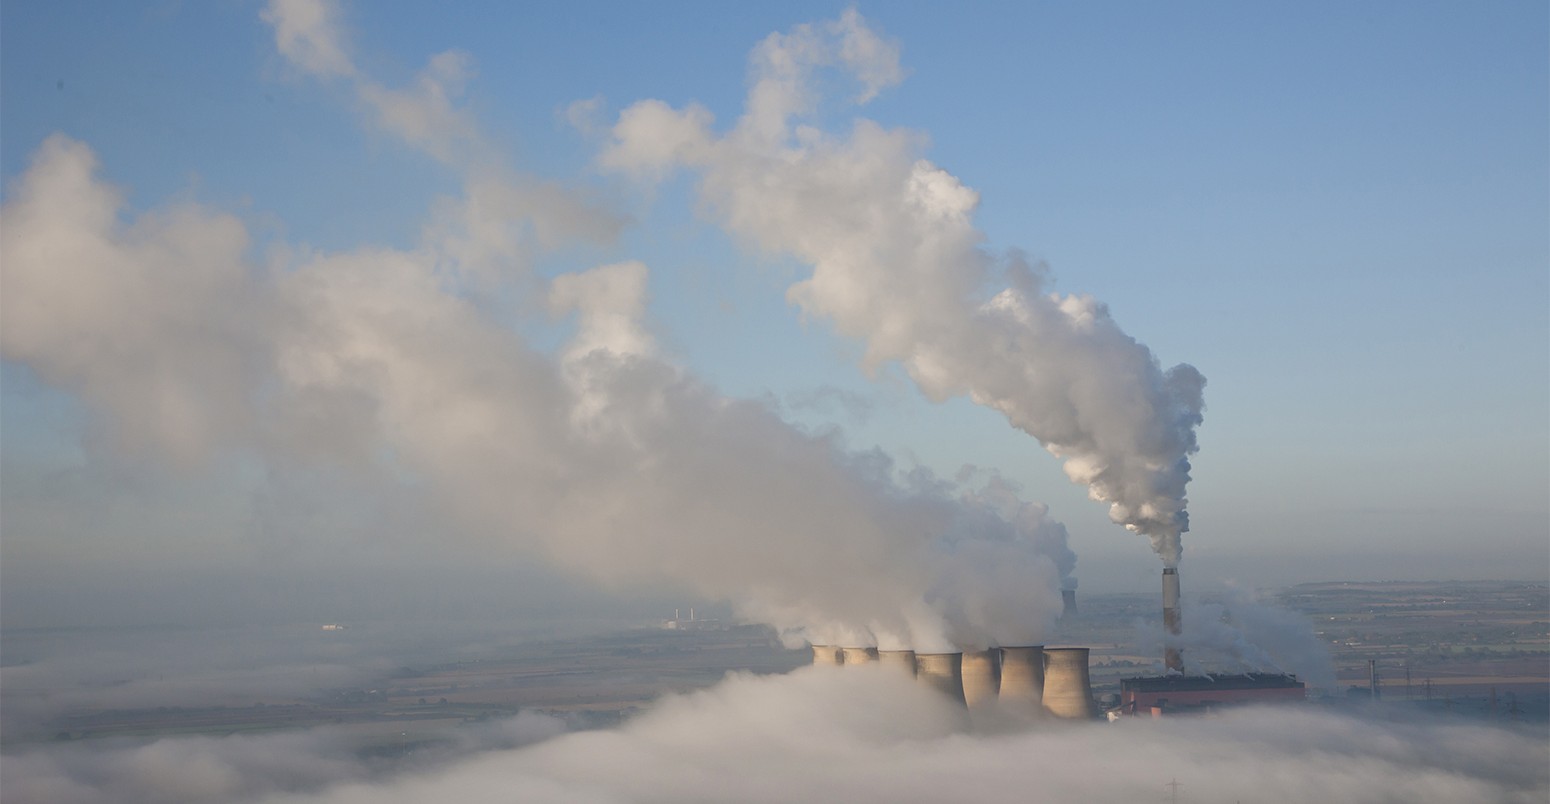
x: 825, y: 734
x: 52, y: 672
x: 51, y: 596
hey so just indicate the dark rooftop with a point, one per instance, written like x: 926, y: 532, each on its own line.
x: 1246, y: 681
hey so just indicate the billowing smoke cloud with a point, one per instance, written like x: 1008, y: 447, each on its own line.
x: 862, y: 734
x: 898, y: 264
x: 608, y: 460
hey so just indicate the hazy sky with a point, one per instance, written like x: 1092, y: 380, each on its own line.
x: 1337, y: 213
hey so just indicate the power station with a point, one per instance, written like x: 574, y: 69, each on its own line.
x: 1177, y: 693
x: 1035, y: 680
x: 1030, y: 679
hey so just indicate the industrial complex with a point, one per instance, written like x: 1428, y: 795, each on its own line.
x: 1055, y: 681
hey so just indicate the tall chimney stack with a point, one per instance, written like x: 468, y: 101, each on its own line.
x: 1068, y: 599
x: 1171, y: 656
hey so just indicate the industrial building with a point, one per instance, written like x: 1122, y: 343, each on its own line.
x: 1055, y: 681
x: 1161, y: 695
x: 1176, y: 693
x: 694, y: 623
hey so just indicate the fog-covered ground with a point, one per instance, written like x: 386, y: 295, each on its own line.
x: 858, y: 734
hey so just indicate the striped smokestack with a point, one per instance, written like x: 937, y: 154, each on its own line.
x: 1171, y: 656
x: 943, y: 672
x: 981, y: 671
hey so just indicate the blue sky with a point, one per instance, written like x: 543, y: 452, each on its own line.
x: 1337, y: 212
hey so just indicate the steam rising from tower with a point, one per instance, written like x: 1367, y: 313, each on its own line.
x: 603, y: 457
x: 898, y: 264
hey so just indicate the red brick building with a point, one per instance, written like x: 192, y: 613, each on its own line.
x: 1179, y: 694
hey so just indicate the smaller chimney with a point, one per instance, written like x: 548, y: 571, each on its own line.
x: 1068, y: 597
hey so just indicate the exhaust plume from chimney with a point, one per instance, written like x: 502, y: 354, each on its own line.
x: 1068, y: 690
x: 899, y: 265
x: 630, y: 468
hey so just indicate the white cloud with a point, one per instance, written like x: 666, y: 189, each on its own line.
x: 306, y: 33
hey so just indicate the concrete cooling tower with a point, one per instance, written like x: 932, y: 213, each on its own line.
x: 1068, y: 689
x: 981, y: 672
x: 901, y: 660
x: 941, y: 671
x: 826, y: 655
x: 858, y: 655
x: 1022, y: 678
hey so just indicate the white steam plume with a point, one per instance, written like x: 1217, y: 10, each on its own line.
x: 608, y: 460
x: 898, y: 263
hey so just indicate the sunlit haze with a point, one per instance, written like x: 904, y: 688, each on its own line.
x: 867, y: 325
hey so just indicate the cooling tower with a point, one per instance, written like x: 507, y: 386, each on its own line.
x: 901, y: 660
x: 1022, y: 679
x: 941, y: 671
x: 858, y: 655
x: 981, y: 672
x: 1171, y: 656
x: 826, y: 655
x: 1067, y: 688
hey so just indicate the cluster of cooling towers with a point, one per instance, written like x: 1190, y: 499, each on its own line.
x: 1033, y: 680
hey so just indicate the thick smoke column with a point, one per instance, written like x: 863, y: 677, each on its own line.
x: 898, y: 264
x: 399, y: 366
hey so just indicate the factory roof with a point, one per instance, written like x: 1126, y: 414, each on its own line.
x: 1246, y: 681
